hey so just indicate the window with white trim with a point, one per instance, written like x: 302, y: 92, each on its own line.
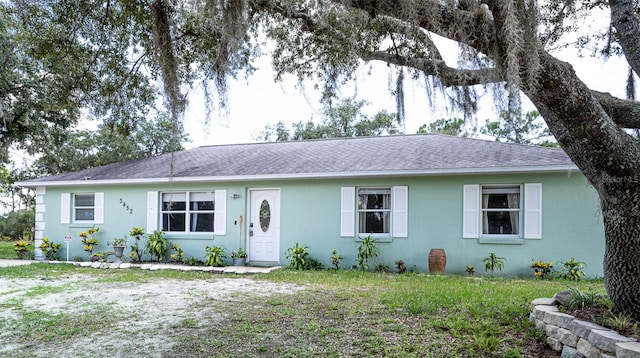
x: 374, y: 211
x: 378, y: 211
x: 501, y: 214
x: 188, y: 211
x: 84, y: 207
x: 497, y: 212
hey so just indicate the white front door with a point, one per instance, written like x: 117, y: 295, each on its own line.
x: 264, y: 225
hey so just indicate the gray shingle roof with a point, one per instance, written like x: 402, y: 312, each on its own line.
x: 389, y: 155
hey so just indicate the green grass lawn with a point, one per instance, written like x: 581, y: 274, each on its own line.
x: 338, y: 314
x: 6, y: 250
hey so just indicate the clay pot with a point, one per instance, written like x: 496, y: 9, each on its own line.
x: 437, y: 261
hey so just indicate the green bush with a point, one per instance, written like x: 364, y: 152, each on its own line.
x: 313, y: 264
x: 215, y: 256
x: 297, y: 256
x: 493, y: 262
x: 382, y: 268
x: 335, y: 259
x: 178, y: 253
x: 49, y: 249
x: 23, y: 249
x: 157, y: 245
x: 16, y: 224
x: 572, y: 270
x: 366, y: 250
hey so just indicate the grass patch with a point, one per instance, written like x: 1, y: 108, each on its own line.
x: 48, y: 327
x: 6, y: 250
x: 350, y: 313
x: 339, y: 313
x: 39, y: 270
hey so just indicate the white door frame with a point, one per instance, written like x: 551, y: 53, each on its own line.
x: 275, y: 222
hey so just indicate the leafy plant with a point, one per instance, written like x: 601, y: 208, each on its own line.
x: 297, y: 256
x: 541, y: 268
x: 49, y: 249
x: 177, y: 253
x: 335, y: 259
x: 313, y: 264
x: 572, y: 270
x: 493, y: 262
x: 157, y: 245
x: 118, y: 242
x: 382, y: 268
x: 136, y: 231
x: 470, y: 270
x: 89, y: 242
x: 136, y: 252
x: 400, y: 266
x: 192, y: 261
x: 215, y: 256
x: 366, y: 250
x: 621, y: 322
x: 238, y: 254
x: 581, y: 299
x: 22, y: 249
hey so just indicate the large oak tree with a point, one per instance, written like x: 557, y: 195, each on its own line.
x: 505, y: 45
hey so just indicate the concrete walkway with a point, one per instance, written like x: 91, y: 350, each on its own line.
x: 150, y: 266
x: 9, y: 263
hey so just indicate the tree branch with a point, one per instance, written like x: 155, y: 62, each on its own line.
x: 449, y: 76
x: 473, y: 28
x: 624, y: 17
x: 625, y: 113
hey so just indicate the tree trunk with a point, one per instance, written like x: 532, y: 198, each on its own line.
x: 608, y: 157
x: 621, y: 213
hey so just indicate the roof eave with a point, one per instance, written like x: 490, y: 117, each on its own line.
x: 332, y: 175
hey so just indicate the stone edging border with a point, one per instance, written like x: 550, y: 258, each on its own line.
x: 160, y: 266
x: 579, y: 339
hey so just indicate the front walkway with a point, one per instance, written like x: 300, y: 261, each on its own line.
x: 150, y: 266
x: 9, y: 263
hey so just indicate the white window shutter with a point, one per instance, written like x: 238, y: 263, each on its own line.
x: 65, y: 208
x: 347, y: 212
x: 471, y: 211
x: 152, y: 211
x: 220, y: 215
x: 98, y: 211
x: 533, y: 211
x: 400, y: 211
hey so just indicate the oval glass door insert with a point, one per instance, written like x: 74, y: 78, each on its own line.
x: 265, y: 215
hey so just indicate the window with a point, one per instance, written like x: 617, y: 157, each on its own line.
x: 84, y: 206
x: 380, y: 212
x: 374, y: 211
x: 197, y: 216
x: 501, y: 214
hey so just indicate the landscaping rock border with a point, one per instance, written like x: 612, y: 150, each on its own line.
x: 579, y: 339
x: 166, y: 266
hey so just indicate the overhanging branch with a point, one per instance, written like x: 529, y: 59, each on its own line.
x: 449, y: 76
x: 624, y: 113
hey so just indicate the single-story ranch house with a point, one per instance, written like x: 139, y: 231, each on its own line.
x: 411, y: 193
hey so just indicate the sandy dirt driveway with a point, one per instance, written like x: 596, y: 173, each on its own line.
x: 81, y: 315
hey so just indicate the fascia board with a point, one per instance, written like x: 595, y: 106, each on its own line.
x: 333, y: 175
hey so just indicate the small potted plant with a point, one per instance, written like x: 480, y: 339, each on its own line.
x: 239, y: 257
x: 118, y: 247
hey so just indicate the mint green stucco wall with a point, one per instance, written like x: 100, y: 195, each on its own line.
x: 310, y: 214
